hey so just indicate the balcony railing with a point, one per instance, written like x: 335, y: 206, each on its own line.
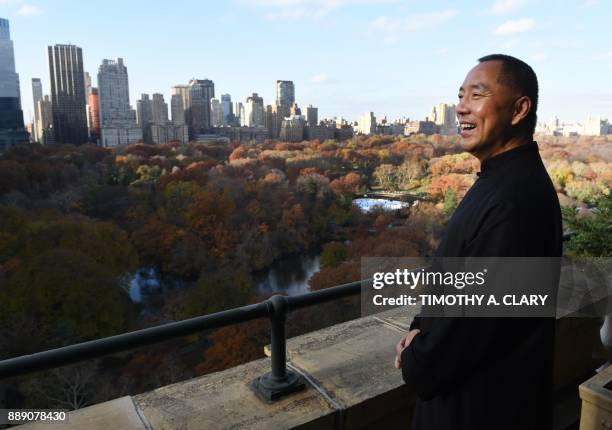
x: 271, y: 386
x: 278, y: 382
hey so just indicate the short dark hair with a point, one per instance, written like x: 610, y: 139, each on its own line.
x: 519, y: 75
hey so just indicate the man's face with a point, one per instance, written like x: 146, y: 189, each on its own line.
x: 485, y: 109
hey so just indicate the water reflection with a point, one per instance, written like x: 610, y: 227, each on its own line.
x: 145, y: 280
x: 289, y: 275
x: 367, y: 205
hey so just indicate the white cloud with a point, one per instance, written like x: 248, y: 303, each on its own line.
x: 304, y: 9
x: 502, y: 7
x: 28, y: 10
x: 394, y: 28
x: 319, y: 78
x: 516, y: 26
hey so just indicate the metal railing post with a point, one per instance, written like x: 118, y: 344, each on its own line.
x: 279, y: 382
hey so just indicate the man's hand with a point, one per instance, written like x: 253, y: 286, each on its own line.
x: 403, y: 343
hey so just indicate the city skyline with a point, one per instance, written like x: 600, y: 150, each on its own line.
x: 346, y: 57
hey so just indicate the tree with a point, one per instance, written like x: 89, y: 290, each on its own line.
x: 592, y: 234
x: 450, y: 201
x: 333, y: 254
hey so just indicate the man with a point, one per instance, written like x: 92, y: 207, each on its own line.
x: 491, y: 373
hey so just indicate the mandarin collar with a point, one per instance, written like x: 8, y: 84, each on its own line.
x: 495, y: 163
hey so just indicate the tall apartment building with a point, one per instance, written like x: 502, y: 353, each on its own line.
x: 254, y: 111
x: 238, y: 109
x: 44, y: 110
x: 216, y: 112
x: 159, y: 109
x: 93, y: 111
x: 179, y: 104
x: 312, y: 116
x: 153, y: 119
x: 292, y: 129
x: 367, y: 124
x: 285, y: 93
x: 68, y: 94
x: 37, y: 95
x: 285, y: 98
x: 117, y: 118
x: 445, y: 117
x: 144, y: 116
x: 201, y: 91
x: 12, y: 131
x: 228, y: 112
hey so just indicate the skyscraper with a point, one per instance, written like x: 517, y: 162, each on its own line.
x: 201, y: 91
x: 216, y: 112
x: 12, y: 131
x: 445, y: 116
x: 117, y: 118
x: 254, y: 111
x: 179, y: 104
x: 285, y: 98
x: 94, y: 115
x: 37, y: 95
x: 177, y: 109
x: 44, y: 110
x: 312, y: 114
x: 159, y: 109
x: 87, y: 78
x: 144, y: 115
x: 238, y: 110
x: 68, y: 94
x: 226, y: 102
x: 367, y: 124
x: 285, y: 93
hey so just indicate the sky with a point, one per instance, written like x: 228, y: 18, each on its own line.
x: 396, y: 58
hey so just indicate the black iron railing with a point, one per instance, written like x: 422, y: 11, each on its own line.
x: 274, y: 384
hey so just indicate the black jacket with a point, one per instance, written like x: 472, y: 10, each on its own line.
x: 485, y: 373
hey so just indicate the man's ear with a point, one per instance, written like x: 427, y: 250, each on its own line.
x: 522, y: 107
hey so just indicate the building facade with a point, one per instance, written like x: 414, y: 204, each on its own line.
x: 68, y: 94
x: 37, y: 95
x: 367, y: 124
x: 117, y: 118
x: 228, y: 112
x: 93, y: 111
x: 292, y: 129
x: 254, y: 111
x: 12, y: 130
x: 445, y: 117
x: 312, y: 116
x: 44, y: 110
x: 420, y: 127
x: 216, y: 112
x: 201, y: 91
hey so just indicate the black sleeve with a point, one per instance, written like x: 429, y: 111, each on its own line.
x: 450, y: 348
x: 416, y: 323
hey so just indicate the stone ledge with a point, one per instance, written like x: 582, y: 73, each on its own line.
x: 225, y: 400
x: 352, y: 363
x: 352, y: 384
x: 115, y: 414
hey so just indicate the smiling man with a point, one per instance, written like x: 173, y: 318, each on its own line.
x: 491, y: 373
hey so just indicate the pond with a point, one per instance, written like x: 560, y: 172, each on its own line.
x: 368, y: 205
x: 289, y: 275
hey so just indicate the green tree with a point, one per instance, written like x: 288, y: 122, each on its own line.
x: 450, y: 201
x: 592, y: 236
